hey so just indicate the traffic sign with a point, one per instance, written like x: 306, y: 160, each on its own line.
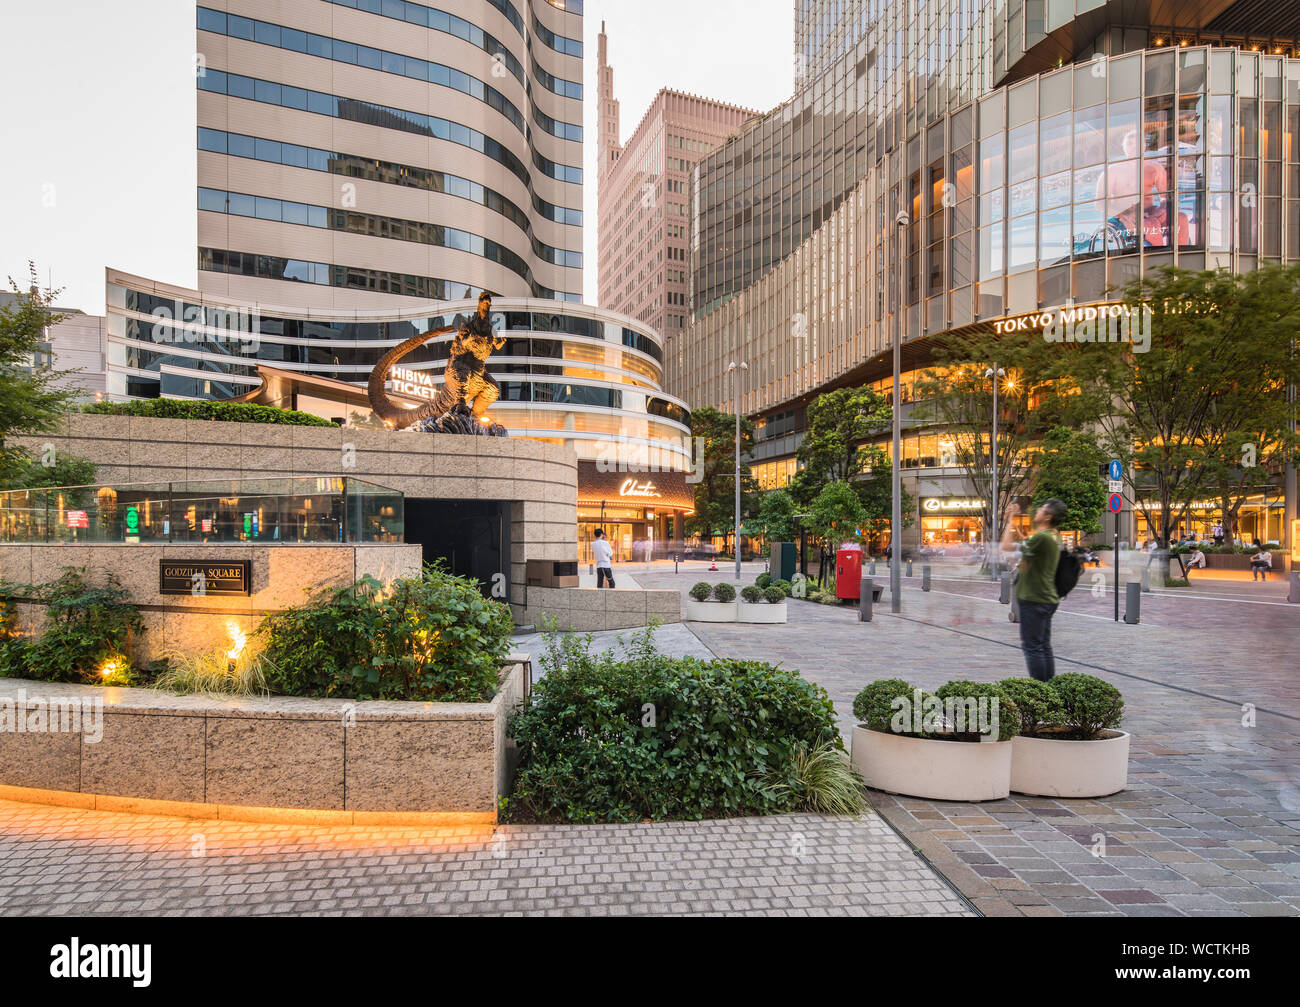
x: 1116, y: 503
x: 1116, y: 469
x: 1117, y: 486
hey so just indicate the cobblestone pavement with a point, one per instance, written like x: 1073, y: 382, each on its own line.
x: 63, y: 861
x: 1208, y: 824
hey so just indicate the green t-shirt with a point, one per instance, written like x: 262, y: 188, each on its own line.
x: 1039, y: 555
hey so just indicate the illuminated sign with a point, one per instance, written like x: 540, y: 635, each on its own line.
x: 952, y: 505
x: 78, y: 519
x: 188, y: 576
x: 632, y: 488
x: 418, y: 384
x: 132, y: 520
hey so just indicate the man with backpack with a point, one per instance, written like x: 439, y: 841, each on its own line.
x: 1044, y: 576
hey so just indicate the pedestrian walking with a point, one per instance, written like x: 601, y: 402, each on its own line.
x: 1217, y: 533
x: 1036, y: 585
x: 604, y: 553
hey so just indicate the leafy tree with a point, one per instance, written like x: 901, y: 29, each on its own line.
x: 875, y: 488
x: 1219, y: 358
x: 715, y: 501
x: 65, y: 470
x: 775, y: 516
x: 838, y: 423
x: 958, y: 395
x: 29, y: 400
x: 1069, y: 468
x: 834, y: 517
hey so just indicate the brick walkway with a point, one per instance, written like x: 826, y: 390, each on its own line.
x: 62, y: 861
x: 1208, y: 825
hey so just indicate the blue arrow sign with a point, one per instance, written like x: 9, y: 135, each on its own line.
x: 1116, y: 469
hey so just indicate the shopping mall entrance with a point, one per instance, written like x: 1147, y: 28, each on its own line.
x: 472, y: 537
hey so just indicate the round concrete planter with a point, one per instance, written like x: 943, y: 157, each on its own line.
x: 939, y: 770
x: 760, y: 612
x: 708, y: 611
x: 1047, y: 767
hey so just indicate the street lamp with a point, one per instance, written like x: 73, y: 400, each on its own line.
x: 737, y: 368
x: 995, y: 372
x: 896, y: 515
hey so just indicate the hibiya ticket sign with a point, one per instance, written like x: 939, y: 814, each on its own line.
x: 200, y: 577
x: 406, y: 381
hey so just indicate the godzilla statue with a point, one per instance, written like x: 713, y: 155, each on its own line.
x: 468, y: 390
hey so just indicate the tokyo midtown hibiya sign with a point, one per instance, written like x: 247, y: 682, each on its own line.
x: 1084, y: 323
x: 200, y: 577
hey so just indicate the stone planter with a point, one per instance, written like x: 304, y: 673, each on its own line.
x: 708, y: 611
x: 939, y: 770
x: 1047, y: 767
x: 760, y: 612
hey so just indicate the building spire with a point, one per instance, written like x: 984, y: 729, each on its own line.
x: 607, y: 135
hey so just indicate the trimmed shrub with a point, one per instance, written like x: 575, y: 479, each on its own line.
x: 1038, y: 704
x: 874, y: 705
x: 623, y: 739
x: 701, y: 591
x: 785, y: 586
x: 87, y: 637
x: 182, y: 409
x: 432, y: 637
x: 763, y: 580
x: 751, y: 593
x: 1007, y: 713
x: 774, y: 595
x: 1088, y: 705
x: 723, y: 591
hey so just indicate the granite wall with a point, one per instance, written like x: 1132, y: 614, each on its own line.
x: 271, y: 759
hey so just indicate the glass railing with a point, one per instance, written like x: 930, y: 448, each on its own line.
x: 268, y: 511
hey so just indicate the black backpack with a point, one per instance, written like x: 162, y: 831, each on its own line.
x: 1068, y: 568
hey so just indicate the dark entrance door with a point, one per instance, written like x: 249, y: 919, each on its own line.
x: 472, y: 537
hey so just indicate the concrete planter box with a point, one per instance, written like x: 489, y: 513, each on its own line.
x: 761, y: 612
x: 938, y: 770
x: 278, y: 759
x: 1047, y: 767
x: 708, y: 611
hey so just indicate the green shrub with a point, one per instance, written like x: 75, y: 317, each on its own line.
x: 432, y: 637
x: 1006, y: 712
x: 701, y: 591
x: 875, y: 706
x: 763, y: 580
x: 724, y: 592
x: 752, y: 593
x: 183, y: 409
x: 88, y: 634
x: 1088, y: 705
x: 774, y: 595
x: 1039, y: 705
x: 622, y: 739
x: 822, y: 781
x: 786, y: 587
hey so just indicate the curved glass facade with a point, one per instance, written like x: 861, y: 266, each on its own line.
x: 568, y: 373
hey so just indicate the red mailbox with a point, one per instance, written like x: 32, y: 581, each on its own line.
x: 848, y: 573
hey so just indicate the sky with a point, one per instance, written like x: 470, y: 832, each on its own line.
x: 97, y: 135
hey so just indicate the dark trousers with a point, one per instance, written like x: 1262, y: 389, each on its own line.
x: 604, y: 573
x: 1036, y: 638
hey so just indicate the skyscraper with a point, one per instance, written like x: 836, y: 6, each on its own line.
x: 351, y: 151
x: 643, y: 237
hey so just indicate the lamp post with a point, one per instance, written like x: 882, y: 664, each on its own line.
x: 896, y: 514
x: 994, y: 372
x: 737, y: 368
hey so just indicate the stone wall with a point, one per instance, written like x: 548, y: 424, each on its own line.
x: 592, y: 610
x: 281, y: 576
x: 272, y: 759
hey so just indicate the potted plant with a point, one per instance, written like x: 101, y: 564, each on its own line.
x: 699, y: 607
x: 950, y: 745
x: 1068, y: 744
x: 761, y: 604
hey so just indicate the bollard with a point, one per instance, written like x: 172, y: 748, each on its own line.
x: 925, y: 577
x: 872, y: 568
x: 1293, y: 595
x: 1005, y: 595
x: 1132, y: 603
x: 1014, y: 614
x: 591, y: 569
x: 909, y: 568
x: 1146, y: 580
x: 865, y: 589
